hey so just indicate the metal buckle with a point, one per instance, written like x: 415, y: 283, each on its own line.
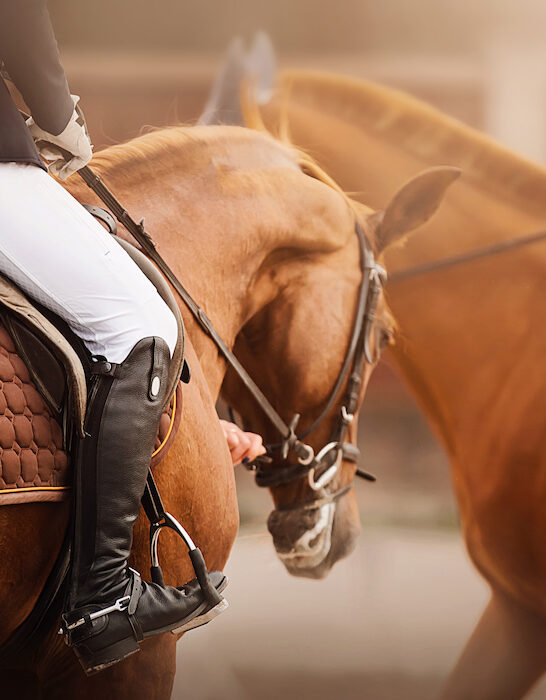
x: 120, y: 605
x: 347, y: 417
x: 329, y: 474
x: 309, y: 456
x: 288, y: 442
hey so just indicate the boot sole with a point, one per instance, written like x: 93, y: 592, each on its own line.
x: 127, y: 647
x: 203, y: 618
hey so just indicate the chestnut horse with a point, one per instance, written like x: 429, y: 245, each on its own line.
x: 472, y: 340
x: 252, y: 236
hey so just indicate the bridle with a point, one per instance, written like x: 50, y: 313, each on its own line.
x: 320, y: 467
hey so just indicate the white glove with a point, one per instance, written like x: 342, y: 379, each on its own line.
x: 74, y: 140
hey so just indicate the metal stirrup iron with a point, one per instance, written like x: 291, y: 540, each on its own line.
x: 160, y: 518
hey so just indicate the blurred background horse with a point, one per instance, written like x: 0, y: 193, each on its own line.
x: 468, y: 334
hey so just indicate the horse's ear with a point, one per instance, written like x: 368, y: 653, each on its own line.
x: 261, y: 65
x: 413, y: 205
x: 223, y: 105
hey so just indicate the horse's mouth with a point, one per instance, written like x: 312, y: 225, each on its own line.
x: 311, y: 549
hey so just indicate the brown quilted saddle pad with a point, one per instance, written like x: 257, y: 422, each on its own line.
x: 33, y: 464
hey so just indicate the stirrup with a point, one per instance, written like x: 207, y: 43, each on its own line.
x: 160, y: 518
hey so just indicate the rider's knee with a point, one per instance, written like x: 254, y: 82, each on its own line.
x: 168, y: 328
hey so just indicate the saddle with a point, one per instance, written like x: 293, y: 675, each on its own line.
x: 43, y: 393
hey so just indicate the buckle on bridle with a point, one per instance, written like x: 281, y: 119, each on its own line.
x: 329, y: 474
x: 305, y: 452
x: 308, y: 455
x: 290, y: 440
x: 347, y: 417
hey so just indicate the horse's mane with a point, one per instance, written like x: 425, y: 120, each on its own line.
x: 155, y: 146
x: 158, y: 146
x: 422, y: 131
x: 306, y: 163
x: 157, y: 149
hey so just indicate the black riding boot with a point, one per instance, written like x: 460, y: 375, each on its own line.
x: 125, y: 405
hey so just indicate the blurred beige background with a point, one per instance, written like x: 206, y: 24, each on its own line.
x: 389, y: 621
x: 481, y: 61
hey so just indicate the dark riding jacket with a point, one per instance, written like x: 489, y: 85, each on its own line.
x: 30, y: 56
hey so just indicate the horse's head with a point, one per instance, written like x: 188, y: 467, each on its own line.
x: 327, y: 319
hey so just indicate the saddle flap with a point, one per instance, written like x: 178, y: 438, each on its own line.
x: 44, y: 367
x: 44, y: 346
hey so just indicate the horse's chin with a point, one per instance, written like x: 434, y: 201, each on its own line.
x: 329, y: 538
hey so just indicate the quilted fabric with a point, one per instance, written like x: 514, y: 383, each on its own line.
x: 31, y: 452
x: 33, y: 464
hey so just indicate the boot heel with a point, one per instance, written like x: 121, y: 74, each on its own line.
x: 95, y: 661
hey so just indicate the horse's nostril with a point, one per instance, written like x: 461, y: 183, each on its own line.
x: 312, y: 543
x: 287, y: 528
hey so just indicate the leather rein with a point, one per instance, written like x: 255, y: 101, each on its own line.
x: 321, y: 467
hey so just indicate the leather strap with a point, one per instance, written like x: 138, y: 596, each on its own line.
x: 471, y: 256
x: 136, y: 591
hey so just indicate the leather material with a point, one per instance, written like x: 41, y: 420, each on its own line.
x: 22, y: 312
x: 157, y: 608
x: 47, y: 371
x: 103, y: 641
x: 124, y: 408
x: 112, y: 465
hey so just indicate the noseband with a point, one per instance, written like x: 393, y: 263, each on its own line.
x: 320, y: 468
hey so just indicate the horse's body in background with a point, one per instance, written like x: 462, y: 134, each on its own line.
x: 471, y: 340
x: 243, y: 227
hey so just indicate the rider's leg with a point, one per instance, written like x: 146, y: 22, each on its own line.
x: 93, y: 284
x: 62, y: 257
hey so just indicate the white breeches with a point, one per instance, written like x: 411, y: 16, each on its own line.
x: 57, y: 253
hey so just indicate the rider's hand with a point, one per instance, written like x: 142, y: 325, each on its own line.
x: 66, y: 152
x: 242, y: 445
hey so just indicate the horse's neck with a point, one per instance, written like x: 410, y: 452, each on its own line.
x: 229, y: 237
x: 215, y: 270
x: 468, y: 331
